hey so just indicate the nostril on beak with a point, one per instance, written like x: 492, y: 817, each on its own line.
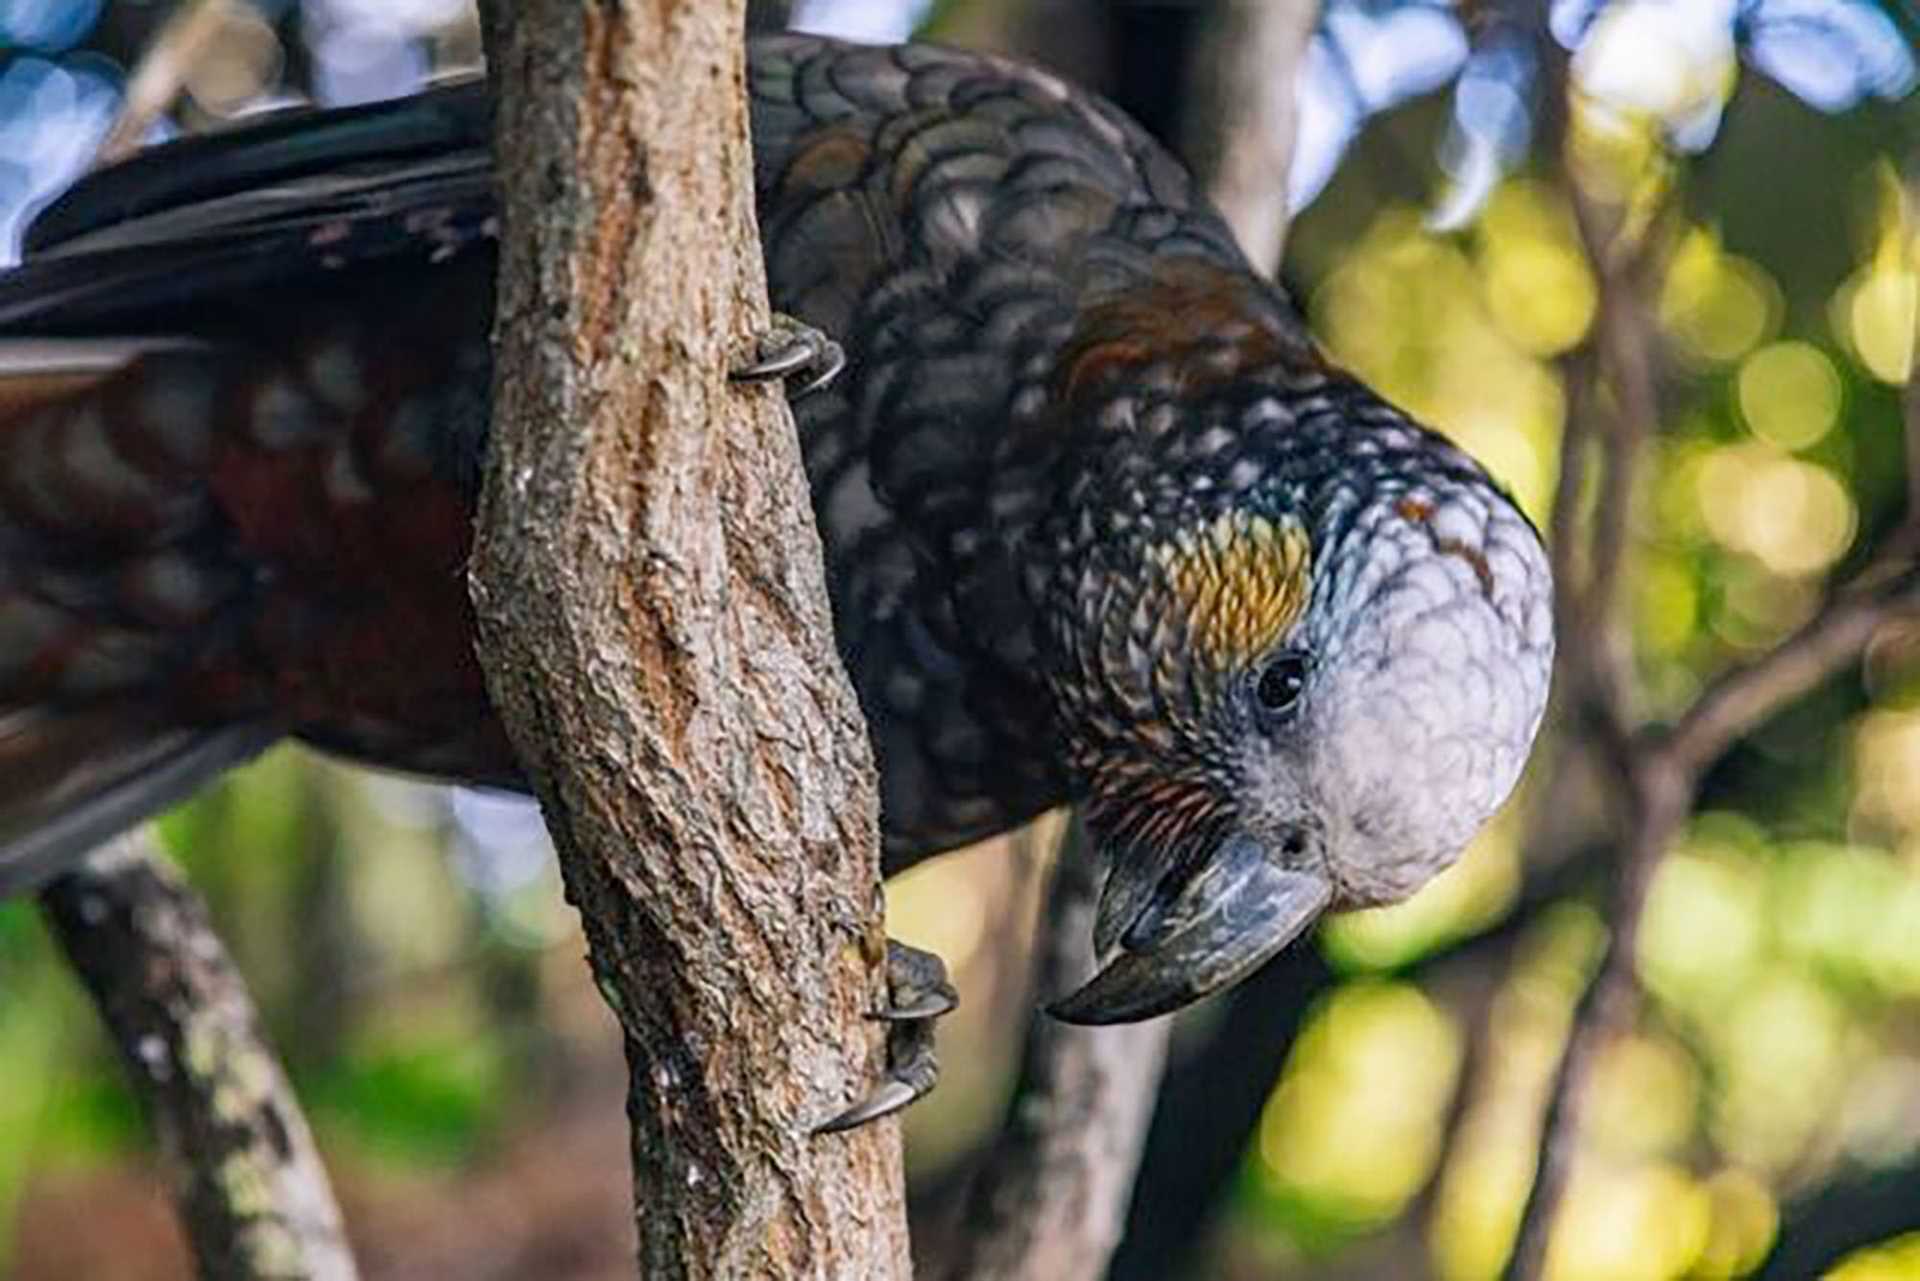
x: 1294, y: 844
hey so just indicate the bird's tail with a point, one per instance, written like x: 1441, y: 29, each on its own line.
x: 70, y: 781
x: 87, y: 745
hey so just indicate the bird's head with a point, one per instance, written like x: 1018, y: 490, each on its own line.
x: 1299, y: 649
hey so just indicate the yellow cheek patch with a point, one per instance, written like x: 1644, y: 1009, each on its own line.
x: 1240, y: 581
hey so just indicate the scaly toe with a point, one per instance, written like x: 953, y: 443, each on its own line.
x: 917, y: 994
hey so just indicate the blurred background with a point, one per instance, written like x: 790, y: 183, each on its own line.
x: 1368, y: 1106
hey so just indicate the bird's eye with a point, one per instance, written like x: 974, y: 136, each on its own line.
x: 1279, y: 686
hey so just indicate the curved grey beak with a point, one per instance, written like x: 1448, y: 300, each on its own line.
x: 1240, y: 908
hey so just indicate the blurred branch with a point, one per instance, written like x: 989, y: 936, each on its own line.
x: 1241, y: 122
x: 252, y: 1191
x: 1048, y: 1203
x: 1594, y: 664
x: 1563, y: 532
x: 1661, y: 800
x: 163, y: 69
x: 1209, y: 1108
x: 1741, y: 699
x: 1217, y: 1089
x: 1656, y: 772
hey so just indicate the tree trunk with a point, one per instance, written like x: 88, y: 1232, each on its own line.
x: 655, y: 630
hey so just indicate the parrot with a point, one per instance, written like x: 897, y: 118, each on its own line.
x: 1103, y: 525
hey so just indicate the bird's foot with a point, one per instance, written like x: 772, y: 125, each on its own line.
x: 917, y: 994
x: 790, y: 349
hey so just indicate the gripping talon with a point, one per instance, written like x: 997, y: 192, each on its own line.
x: 790, y: 349
x: 887, y: 1098
x: 917, y: 994
x: 930, y: 1006
x: 917, y: 986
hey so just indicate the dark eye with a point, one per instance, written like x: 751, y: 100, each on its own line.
x: 1279, y: 686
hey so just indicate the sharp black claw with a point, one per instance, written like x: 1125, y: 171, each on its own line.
x: 917, y: 994
x: 930, y: 1006
x: 888, y: 1098
x: 790, y: 349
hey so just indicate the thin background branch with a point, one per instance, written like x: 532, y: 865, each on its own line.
x: 1655, y: 773
x: 190, y: 31
x: 1049, y: 1201
x: 1242, y: 119
x: 234, y: 1146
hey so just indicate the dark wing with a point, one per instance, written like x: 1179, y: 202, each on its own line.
x: 134, y: 248
x: 231, y: 386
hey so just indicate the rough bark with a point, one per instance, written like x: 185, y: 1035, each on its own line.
x: 234, y: 1146
x: 1049, y: 1201
x: 654, y: 628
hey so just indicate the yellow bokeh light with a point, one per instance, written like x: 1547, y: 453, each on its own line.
x: 1896, y: 1260
x: 1703, y: 928
x: 1643, y: 1097
x: 1478, y: 1207
x: 1742, y: 1223
x: 1667, y: 603
x: 1851, y: 913
x: 1886, y: 755
x: 1722, y: 482
x: 1760, y: 606
x: 1539, y: 291
x: 1490, y: 1165
x: 1782, y: 1050
x: 1812, y: 518
x: 1794, y: 517
x: 1718, y: 306
x: 1878, y: 308
x: 1880, y: 311
x: 1355, y: 1125
x: 1789, y: 394
x: 1645, y: 1223
x: 1675, y: 480
x: 1540, y: 295
x: 1392, y: 313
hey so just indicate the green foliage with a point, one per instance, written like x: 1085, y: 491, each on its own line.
x: 428, y: 1101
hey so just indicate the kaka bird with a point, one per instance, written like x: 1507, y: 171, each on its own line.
x: 1101, y: 524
